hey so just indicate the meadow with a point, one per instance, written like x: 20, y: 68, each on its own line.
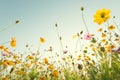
x: 98, y: 59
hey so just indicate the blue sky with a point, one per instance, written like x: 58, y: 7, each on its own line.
x: 37, y: 19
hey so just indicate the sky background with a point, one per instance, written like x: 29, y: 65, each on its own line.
x: 38, y: 17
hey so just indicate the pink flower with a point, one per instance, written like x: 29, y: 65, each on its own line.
x: 88, y: 36
x: 65, y: 51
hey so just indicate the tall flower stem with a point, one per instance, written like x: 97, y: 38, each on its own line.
x: 4, y: 43
x: 84, y: 22
x: 116, y: 24
x: 10, y: 26
x: 60, y: 39
x: 109, y: 54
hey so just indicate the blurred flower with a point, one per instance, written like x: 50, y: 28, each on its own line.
x: 103, y: 35
x: 46, y: 61
x: 4, y: 54
x: 42, y: 40
x: 5, y: 78
x: 82, y: 8
x: 15, y: 56
x: 1, y: 47
x: 20, y: 72
x: 13, y: 42
x: 118, y: 50
x: 93, y: 40
x: 103, y: 40
x: 87, y: 58
x: 111, y: 27
x: 6, y: 50
x: 88, y: 36
x: 42, y: 78
x: 17, y: 21
x: 79, y: 57
x: 65, y: 51
x: 74, y: 36
x: 51, y: 66
x: 7, y: 62
x: 116, y: 35
x: 28, y: 65
x: 116, y: 39
x: 30, y: 57
x: 56, y: 25
x: 80, y: 66
x: 100, y: 30
x: 101, y: 16
x: 55, y: 73
x: 108, y: 48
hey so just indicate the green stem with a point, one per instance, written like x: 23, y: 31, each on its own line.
x: 116, y: 25
x: 7, y: 28
x: 85, y: 23
x: 60, y: 40
x: 4, y: 42
x: 109, y: 54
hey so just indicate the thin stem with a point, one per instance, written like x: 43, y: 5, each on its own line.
x: 78, y: 41
x: 84, y: 22
x: 116, y: 25
x: 109, y: 54
x: 4, y: 42
x: 60, y: 39
x: 12, y: 25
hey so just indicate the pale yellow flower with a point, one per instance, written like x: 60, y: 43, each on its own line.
x: 42, y: 40
x: 103, y: 35
x: 111, y: 27
x: 55, y: 73
x: 28, y: 65
x: 13, y: 42
x: 46, y: 61
x: 100, y: 30
x: 51, y: 66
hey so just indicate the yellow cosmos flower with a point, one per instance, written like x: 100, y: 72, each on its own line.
x: 112, y: 27
x: 100, y: 30
x: 51, y: 66
x: 42, y: 78
x: 42, y: 40
x: 108, y: 48
x: 8, y: 62
x: 20, y: 72
x: 30, y: 57
x: 5, y: 78
x: 28, y: 65
x: 103, y: 35
x: 6, y: 50
x: 13, y: 42
x: 103, y: 40
x: 55, y: 73
x: 101, y: 16
x: 79, y: 57
x: 87, y: 58
x: 74, y: 36
x: 1, y: 47
x: 116, y: 39
x: 46, y: 61
x: 15, y: 56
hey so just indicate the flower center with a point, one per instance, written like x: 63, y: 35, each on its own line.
x: 88, y: 36
x: 102, y: 15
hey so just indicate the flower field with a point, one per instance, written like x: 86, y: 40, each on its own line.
x: 97, y: 59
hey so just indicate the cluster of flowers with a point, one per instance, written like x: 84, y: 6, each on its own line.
x: 98, y: 60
